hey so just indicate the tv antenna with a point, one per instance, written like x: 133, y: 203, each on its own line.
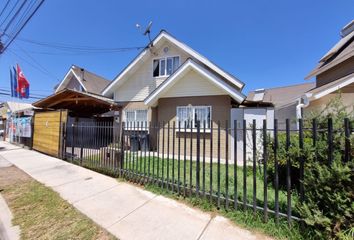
x: 147, y: 31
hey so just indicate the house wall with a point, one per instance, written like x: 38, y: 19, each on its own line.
x: 141, y: 83
x: 193, y: 84
x: 319, y: 105
x: 343, y: 69
x: 167, y: 110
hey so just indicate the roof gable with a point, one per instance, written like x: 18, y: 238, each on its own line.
x: 89, y: 81
x: 195, y: 55
x: 205, y: 73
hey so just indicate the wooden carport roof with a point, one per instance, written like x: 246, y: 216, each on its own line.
x: 79, y: 103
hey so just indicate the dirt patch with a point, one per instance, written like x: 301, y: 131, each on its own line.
x: 12, y: 175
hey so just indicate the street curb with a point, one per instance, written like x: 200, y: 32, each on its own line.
x: 7, y: 230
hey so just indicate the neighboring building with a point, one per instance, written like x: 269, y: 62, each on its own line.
x: 79, y: 79
x: 285, y: 100
x: 334, y: 74
x: 169, y: 81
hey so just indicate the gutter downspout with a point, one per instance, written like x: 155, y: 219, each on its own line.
x: 303, y: 102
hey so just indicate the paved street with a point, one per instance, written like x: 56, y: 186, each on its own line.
x: 123, y: 209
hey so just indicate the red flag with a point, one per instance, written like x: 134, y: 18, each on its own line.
x: 22, y: 83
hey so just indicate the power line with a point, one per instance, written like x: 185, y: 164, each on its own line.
x: 76, y: 48
x: 9, y: 14
x: 26, y: 11
x: 35, y: 61
x: 7, y: 94
x: 34, y: 94
x: 2, y: 11
x: 14, y: 16
x: 23, y: 25
x: 31, y: 64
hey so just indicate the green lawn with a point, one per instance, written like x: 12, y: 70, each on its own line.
x: 159, y: 168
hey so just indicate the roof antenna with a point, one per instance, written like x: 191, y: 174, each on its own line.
x: 147, y: 32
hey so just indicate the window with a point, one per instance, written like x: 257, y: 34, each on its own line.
x: 135, y: 116
x: 165, y: 66
x: 188, y: 115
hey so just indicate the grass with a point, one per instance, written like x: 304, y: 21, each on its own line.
x: 161, y: 168
x: 42, y: 214
x: 246, y: 219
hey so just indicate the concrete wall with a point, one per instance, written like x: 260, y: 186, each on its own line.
x: 288, y: 112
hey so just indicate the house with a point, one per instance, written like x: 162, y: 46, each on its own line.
x: 334, y: 73
x: 285, y: 100
x: 170, y: 82
x: 81, y: 80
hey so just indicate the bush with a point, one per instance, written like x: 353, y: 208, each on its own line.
x: 328, y: 207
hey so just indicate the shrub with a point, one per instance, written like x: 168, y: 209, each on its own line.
x: 328, y: 207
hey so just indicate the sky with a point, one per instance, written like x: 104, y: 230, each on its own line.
x: 264, y: 43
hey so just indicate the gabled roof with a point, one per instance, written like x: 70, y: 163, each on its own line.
x: 341, y: 51
x: 89, y: 81
x: 281, y: 96
x: 17, y: 106
x: 195, y: 55
x: 180, y: 72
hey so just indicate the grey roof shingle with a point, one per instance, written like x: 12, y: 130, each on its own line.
x: 280, y: 96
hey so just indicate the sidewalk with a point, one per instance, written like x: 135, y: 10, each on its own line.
x: 126, y: 211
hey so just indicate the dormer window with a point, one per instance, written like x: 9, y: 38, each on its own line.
x: 163, y: 67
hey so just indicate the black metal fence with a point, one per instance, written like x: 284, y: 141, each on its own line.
x: 233, y: 165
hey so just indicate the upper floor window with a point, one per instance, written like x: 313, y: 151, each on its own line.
x: 165, y: 66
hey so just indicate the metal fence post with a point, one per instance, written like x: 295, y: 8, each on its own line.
x: 198, y: 160
x: 288, y: 171
x: 122, y: 135
x: 72, y: 142
x: 254, y: 167
x: 265, y: 180
x: 276, y: 171
x: 330, y: 140
x: 301, y: 145
x: 347, y: 155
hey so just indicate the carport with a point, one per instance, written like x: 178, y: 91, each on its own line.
x: 65, y: 108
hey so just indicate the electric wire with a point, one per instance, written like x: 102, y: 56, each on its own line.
x: 23, y: 25
x: 3, y: 10
x: 9, y: 14
x: 14, y: 16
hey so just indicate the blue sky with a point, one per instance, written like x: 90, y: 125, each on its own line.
x: 264, y: 43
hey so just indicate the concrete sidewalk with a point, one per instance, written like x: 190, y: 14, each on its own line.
x: 126, y: 211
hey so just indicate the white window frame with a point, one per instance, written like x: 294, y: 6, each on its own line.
x: 194, y: 128
x: 139, y: 125
x: 165, y: 59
